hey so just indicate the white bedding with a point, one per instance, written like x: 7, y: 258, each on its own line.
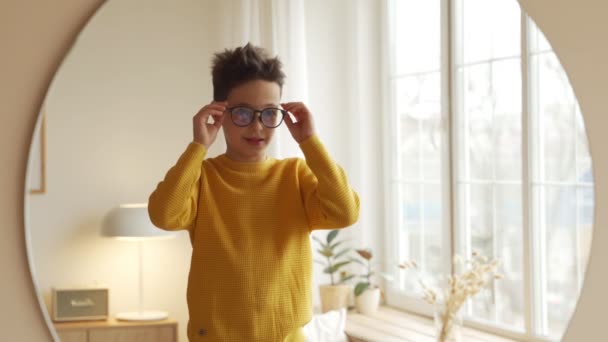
x: 327, y: 327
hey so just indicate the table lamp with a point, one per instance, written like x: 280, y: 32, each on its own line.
x: 131, y: 222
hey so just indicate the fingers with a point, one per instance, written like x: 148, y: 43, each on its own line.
x: 216, y: 105
x: 214, y: 109
x: 217, y: 123
x: 297, y: 109
x: 294, y: 106
x: 288, y: 121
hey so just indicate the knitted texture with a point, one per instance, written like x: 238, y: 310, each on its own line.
x: 249, y: 224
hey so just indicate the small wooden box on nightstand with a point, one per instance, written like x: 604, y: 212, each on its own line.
x: 117, y: 331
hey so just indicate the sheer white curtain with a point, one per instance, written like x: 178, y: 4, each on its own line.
x: 279, y: 26
x: 354, y: 39
x: 365, y: 117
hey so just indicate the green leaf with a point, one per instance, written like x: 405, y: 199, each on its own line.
x: 340, y: 264
x: 347, y: 278
x: 319, y: 241
x: 325, y: 252
x: 358, y: 261
x: 342, y: 252
x: 360, y: 288
x: 332, y: 235
x: 321, y: 262
x: 335, y: 267
x: 335, y: 245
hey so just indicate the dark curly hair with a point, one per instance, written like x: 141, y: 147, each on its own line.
x: 232, y: 68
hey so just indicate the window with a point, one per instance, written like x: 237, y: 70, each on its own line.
x: 487, y: 152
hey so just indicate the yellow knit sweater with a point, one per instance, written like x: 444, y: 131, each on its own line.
x: 249, y: 225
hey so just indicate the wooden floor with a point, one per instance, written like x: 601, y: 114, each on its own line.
x: 390, y: 325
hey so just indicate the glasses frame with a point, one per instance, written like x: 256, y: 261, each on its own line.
x: 259, y: 116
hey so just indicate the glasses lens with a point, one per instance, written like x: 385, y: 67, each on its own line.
x: 241, y: 116
x: 272, y: 117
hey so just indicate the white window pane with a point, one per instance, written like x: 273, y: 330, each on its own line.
x: 506, y: 84
x: 509, y: 250
x: 506, y: 87
x: 488, y: 29
x: 561, y: 268
x: 492, y: 218
x: 583, y: 157
x: 556, y: 112
x: 481, y: 240
x: 409, y: 149
x: 508, y: 150
x: 585, y: 208
x: 481, y: 219
x: 491, y: 98
x: 476, y: 120
x: 409, y: 207
x: 431, y: 148
x: 432, y: 219
x: 420, y: 231
x: 537, y: 41
x: 419, y: 114
x: 417, y: 36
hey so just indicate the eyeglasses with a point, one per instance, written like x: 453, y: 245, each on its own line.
x: 269, y: 117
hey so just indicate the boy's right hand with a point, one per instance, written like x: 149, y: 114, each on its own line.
x: 204, y: 132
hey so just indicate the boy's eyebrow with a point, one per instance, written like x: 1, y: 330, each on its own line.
x: 245, y: 104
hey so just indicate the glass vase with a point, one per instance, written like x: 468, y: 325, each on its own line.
x: 448, y: 325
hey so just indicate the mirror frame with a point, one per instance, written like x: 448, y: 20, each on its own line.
x: 39, y: 39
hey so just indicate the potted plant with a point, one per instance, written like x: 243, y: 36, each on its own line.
x: 367, y: 292
x: 336, y: 295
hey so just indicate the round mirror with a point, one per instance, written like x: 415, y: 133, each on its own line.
x: 479, y: 146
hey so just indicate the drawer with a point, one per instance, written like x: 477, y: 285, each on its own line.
x: 133, y: 334
x: 76, y: 335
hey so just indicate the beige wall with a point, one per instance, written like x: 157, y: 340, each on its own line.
x: 35, y: 36
x: 119, y: 113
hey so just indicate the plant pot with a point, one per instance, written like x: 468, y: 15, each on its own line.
x: 367, y: 303
x: 334, y: 297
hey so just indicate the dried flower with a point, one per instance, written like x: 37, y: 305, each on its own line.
x: 478, y: 273
x: 408, y: 264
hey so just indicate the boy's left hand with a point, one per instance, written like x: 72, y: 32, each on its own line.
x: 304, y: 127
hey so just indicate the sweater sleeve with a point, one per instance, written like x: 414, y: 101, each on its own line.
x: 173, y: 205
x: 329, y: 200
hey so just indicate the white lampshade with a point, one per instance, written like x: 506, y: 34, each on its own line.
x: 131, y: 222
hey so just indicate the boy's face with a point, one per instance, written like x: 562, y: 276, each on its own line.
x: 248, y: 144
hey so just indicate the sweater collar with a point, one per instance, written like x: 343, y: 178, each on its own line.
x: 245, y: 166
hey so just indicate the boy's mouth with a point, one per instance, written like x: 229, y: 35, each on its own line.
x: 255, y: 141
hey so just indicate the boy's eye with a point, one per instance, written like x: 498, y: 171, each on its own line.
x: 242, y: 114
x: 270, y: 116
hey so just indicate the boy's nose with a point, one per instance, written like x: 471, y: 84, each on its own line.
x: 257, y: 124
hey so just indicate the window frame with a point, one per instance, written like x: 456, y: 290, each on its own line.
x: 533, y: 242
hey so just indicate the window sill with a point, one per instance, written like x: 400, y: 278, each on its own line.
x: 391, y: 325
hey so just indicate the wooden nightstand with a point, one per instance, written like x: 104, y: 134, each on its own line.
x: 117, y: 331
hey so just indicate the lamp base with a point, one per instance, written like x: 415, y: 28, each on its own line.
x: 142, y: 316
